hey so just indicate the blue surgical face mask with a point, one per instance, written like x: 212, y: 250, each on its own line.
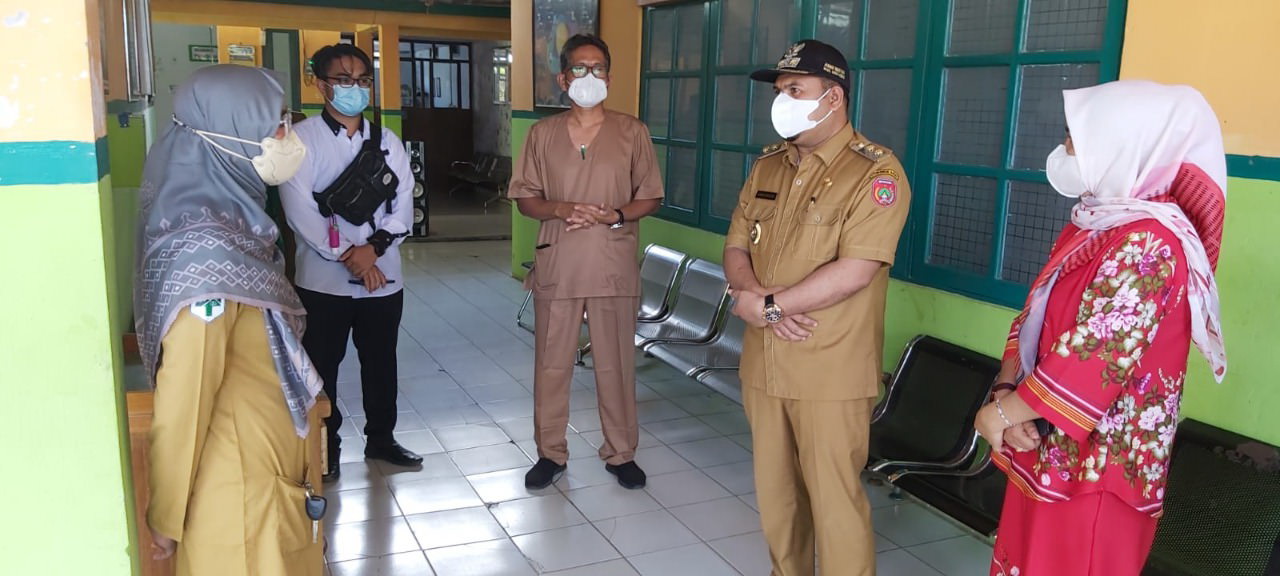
x: 350, y: 100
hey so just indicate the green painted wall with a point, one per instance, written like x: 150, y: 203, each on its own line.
x: 1244, y: 403
x: 128, y: 149
x: 524, y: 231
x: 1249, y: 286
x: 70, y: 487
x: 128, y: 152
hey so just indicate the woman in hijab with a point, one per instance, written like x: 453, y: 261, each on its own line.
x: 1099, y: 353
x: 219, y: 327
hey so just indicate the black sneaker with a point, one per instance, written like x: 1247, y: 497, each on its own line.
x: 630, y: 476
x: 543, y: 474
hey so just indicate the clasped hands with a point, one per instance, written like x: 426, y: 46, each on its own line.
x: 1022, y: 437
x: 749, y: 306
x: 361, y: 261
x: 580, y: 216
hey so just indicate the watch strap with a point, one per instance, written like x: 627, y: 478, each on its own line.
x: 768, y: 300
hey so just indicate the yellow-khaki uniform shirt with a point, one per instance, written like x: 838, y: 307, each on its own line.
x: 848, y: 199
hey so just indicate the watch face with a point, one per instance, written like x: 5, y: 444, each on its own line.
x: 773, y: 314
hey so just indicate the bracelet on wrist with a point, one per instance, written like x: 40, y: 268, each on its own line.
x: 1000, y: 411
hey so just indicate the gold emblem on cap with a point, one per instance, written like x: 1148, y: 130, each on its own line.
x: 755, y: 233
x: 792, y: 58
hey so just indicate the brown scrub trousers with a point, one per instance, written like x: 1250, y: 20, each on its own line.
x: 593, y: 270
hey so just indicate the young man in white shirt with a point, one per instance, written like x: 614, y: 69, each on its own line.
x: 349, y: 275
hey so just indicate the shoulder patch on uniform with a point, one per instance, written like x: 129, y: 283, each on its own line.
x: 868, y: 150
x: 208, y: 310
x: 885, y: 190
x: 885, y: 172
x: 772, y: 149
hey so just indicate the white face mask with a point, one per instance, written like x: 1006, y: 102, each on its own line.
x: 279, y: 160
x: 1064, y: 174
x: 791, y: 116
x: 588, y: 91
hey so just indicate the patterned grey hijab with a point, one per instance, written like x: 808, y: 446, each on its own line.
x: 204, y: 233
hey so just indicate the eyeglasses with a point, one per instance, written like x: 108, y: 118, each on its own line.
x: 581, y: 70
x: 347, y: 81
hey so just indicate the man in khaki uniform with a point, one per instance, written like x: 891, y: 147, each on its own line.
x: 588, y: 175
x: 808, y: 255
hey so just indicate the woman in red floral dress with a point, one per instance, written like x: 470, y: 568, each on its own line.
x: 1099, y: 353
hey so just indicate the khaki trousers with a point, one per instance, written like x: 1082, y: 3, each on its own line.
x: 809, y: 456
x: 612, y: 324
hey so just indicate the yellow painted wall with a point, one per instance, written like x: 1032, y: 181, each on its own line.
x: 309, y: 41
x: 389, y: 68
x: 521, y: 58
x: 45, y: 94
x: 239, y: 35
x: 1227, y: 50
x: 295, y: 17
x: 621, y: 26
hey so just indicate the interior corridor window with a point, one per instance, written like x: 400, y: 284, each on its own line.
x: 967, y: 93
x: 501, y: 75
x: 435, y: 74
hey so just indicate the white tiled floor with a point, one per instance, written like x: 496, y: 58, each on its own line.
x: 466, y: 404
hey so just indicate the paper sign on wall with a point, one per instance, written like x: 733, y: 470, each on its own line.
x: 202, y: 53
x: 240, y: 53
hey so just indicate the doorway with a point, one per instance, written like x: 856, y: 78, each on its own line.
x: 451, y: 104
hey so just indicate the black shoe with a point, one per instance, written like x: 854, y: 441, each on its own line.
x: 334, y: 472
x: 394, y: 453
x: 630, y: 476
x: 543, y: 474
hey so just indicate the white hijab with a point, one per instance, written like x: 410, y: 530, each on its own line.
x: 1131, y: 138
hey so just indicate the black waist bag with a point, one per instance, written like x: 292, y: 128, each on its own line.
x: 367, y: 183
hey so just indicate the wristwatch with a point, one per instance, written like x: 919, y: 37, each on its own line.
x: 772, y: 312
x: 621, y: 219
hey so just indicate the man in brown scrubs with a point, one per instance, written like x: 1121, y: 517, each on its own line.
x: 808, y: 255
x: 588, y: 175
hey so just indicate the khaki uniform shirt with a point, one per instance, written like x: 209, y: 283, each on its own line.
x: 619, y: 166
x: 848, y: 199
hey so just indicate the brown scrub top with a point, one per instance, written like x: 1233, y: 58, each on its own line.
x: 617, y: 167
x: 848, y: 199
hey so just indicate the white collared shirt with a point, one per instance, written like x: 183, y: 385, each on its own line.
x: 329, y: 151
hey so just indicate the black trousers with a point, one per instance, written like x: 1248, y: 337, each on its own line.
x: 374, y: 326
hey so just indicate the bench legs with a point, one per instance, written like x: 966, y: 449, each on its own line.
x: 582, y: 352
x: 520, y: 314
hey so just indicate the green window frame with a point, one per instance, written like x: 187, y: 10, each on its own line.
x: 966, y: 92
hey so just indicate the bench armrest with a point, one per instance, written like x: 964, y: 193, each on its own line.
x: 697, y: 372
x: 978, y: 468
x: 953, y: 464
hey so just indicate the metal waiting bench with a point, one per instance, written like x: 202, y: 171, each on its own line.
x: 715, y: 363
x: 700, y: 305
x: 1221, y: 508
x: 660, y: 272
x: 922, y: 435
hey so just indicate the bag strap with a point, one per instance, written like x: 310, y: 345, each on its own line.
x: 375, y: 136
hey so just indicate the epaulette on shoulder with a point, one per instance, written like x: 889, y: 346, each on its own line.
x: 872, y: 152
x: 772, y: 149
